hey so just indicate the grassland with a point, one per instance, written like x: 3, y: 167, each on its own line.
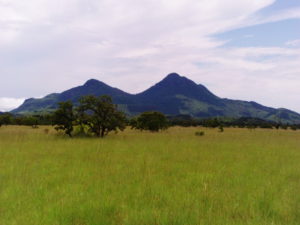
x: 239, y: 177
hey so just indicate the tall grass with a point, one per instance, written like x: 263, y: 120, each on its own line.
x: 239, y: 177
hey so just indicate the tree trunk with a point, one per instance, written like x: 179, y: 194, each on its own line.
x: 102, y: 132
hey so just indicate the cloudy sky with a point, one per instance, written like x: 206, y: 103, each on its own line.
x: 239, y: 49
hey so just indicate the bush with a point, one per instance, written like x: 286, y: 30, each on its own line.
x: 221, y: 128
x: 294, y: 128
x: 199, y: 133
x: 152, y: 121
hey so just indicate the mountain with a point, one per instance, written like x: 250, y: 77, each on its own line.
x: 91, y: 87
x: 173, y: 95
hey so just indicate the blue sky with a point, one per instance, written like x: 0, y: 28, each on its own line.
x: 274, y: 34
x: 280, y: 5
x: 270, y: 34
x: 239, y: 49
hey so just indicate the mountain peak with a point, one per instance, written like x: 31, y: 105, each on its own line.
x: 173, y: 76
x: 91, y: 82
x: 177, y: 80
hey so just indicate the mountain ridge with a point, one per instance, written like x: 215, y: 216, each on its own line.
x: 173, y: 95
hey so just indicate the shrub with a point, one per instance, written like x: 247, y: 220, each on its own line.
x: 199, y: 133
x: 294, y: 127
x: 46, y: 131
x: 221, y: 128
x: 152, y: 121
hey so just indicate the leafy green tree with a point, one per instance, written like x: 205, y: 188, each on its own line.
x: 212, y: 122
x: 100, y: 115
x: 6, y: 119
x: 31, y: 121
x: 221, y: 128
x: 152, y: 121
x: 64, y: 117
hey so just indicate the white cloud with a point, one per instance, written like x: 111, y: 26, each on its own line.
x: 49, y: 45
x: 7, y: 104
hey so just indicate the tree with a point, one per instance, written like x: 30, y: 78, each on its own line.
x: 100, y: 115
x: 213, y: 122
x: 6, y: 119
x: 31, y: 121
x: 221, y: 128
x: 152, y: 121
x: 64, y: 117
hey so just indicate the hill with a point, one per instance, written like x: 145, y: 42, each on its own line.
x: 173, y: 95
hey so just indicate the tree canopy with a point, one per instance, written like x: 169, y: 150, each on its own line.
x: 64, y: 117
x: 100, y: 115
x: 95, y: 115
x: 152, y: 121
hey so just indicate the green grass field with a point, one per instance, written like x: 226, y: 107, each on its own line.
x: 138, y: 178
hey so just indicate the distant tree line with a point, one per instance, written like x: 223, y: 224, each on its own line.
x: 98, y: 116
x: 25, y: 120
x: 243, y: 122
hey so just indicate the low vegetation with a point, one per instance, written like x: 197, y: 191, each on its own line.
x: 238, y: 177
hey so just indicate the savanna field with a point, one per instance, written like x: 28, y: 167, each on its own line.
x: 238, y: 177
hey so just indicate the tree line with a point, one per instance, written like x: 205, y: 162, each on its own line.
x: 243, y: 122
x: 25, y: 120
x: 98, y: 116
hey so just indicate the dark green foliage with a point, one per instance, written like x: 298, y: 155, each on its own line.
x: 213, y: 123
x: 183, y: 121
x: 31, y: 121
x: 100, y: 115
x: 221, y: 123
x: 152, y: 121
x: 64, y: 118
x: 294, y: 127
x: 221, y: 128
x: 252, y: 123
x: 6, y: 119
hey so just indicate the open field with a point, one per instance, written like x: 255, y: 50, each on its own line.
x: 239, y: 177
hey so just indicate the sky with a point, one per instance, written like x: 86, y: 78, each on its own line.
x: 238, y: 49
